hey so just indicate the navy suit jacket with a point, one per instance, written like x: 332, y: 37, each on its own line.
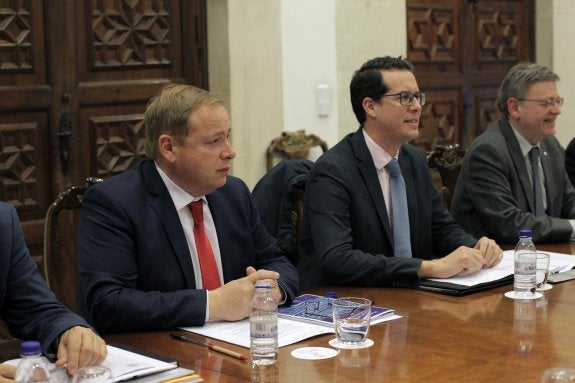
x: 135, y: 267
x: 350, y: 241
x: 27, y: 304
x: 494, y: 196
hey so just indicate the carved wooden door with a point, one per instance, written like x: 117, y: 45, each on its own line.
x: 75, y: 78
x: 461, y: 50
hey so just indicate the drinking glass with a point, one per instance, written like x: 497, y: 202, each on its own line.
x: 93, y: 374
x: 542, y: 271
x: 558, y: 375
x: 351, y: 318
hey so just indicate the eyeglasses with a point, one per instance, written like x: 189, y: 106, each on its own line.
x: 406, y: 98
x: 546, y: 103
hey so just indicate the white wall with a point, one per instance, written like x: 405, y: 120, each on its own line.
x: 309, y: 60
x: 563, y: 54
x: 267, y: 57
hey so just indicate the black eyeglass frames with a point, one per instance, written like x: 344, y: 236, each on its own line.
x: 406, y: 98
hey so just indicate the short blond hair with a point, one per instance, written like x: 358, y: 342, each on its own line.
x: 169, y: 111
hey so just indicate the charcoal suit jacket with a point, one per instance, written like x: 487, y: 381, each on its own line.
x: 348, y: 238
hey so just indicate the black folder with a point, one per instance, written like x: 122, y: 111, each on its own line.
x: 442, y: 287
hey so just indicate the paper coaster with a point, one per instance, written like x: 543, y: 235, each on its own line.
x: 313, y: 353
x: 546, y: 287
x: 511, y: 294
x: 335, y: 343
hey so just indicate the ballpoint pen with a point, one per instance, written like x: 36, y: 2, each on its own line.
x: 236, y: 355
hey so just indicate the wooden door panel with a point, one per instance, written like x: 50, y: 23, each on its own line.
x: 114, y: 136
x: 463, y: 49
x: 92, y: 66
x: 439, y: 119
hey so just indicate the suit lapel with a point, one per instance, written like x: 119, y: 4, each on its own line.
x: 518, y: 161
x: 161, y: 202
x: 369, y: 175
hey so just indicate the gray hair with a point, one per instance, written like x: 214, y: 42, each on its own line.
x: 519, y: 79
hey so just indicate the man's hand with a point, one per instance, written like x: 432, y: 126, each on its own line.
x: 7, y: 372
x: 233, y: 300
x: 492, y: 253
x: 80, y: 347
x: 464, y: 261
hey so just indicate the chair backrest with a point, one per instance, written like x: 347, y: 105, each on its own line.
x: 60, y: 251
x: 278, y: 196
x: 294, y: 146
x: 447, y: 160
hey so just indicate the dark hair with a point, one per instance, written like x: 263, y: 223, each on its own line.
x: 368, y: 81
x: 518, y: 80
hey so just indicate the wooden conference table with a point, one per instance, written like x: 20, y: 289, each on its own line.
x: 482, y: 337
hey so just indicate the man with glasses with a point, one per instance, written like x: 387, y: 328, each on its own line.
x: 513, y: 176
x: 372, y: 215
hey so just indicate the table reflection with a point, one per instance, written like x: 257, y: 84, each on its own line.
x: 264, y: 373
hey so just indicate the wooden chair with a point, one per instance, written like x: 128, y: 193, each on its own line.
x: 59, y: 250
x: 447, y: 160
x: 294, y: 146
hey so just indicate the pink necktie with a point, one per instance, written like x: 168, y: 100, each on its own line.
x: 210, y: 276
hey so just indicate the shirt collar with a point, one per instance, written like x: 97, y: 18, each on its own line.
x: 523, y: 143
x: 180, y: 197
x: 380, y: 157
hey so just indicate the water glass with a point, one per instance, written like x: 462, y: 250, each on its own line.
x: 558, y: 375
x: 351, y: 318
x: 93, y: 374
x: 542, y: 270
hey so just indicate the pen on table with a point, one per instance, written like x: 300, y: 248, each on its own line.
x: 182, y: 379
x: 236, y: 355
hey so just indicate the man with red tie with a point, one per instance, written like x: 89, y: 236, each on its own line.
x: 175, y: 241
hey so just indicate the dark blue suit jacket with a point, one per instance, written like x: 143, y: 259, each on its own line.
x: 347, y: 236
x: 135, y: 267
x: 27, y: 305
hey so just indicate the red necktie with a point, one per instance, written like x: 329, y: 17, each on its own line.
x: 210, y: 275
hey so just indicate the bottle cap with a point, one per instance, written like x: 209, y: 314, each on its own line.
x: 525, y: 233
x: 30, y: 347
x: 263, y: 284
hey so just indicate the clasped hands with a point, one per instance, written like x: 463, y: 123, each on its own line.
x: 464, y: 260
x: 232, y: 301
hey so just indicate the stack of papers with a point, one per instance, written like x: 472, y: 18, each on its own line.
x: 493, y: 277
x: 290, y: 331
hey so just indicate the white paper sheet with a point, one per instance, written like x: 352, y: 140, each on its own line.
x: 557, y: 263
x: 289, y: 331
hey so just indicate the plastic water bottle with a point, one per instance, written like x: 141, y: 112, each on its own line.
x: 525, y: 257
x: 264, y: 325
x: 32, y: 366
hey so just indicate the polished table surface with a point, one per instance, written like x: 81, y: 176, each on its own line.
x: 482, y: 337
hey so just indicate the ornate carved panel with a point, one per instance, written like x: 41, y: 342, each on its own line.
x: 119, y: 142
x: 438, y: 120
x: 18, y: 163
x: 129, y: 33
x: 15, y: 37
x: 431, y: 33
x: 498, y: 33
x: 461, y: 50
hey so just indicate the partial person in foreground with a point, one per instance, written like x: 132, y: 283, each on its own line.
x: 144, y: 261
x: 31, y: 311
x: 358, y: 233
x: 513, y: 175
